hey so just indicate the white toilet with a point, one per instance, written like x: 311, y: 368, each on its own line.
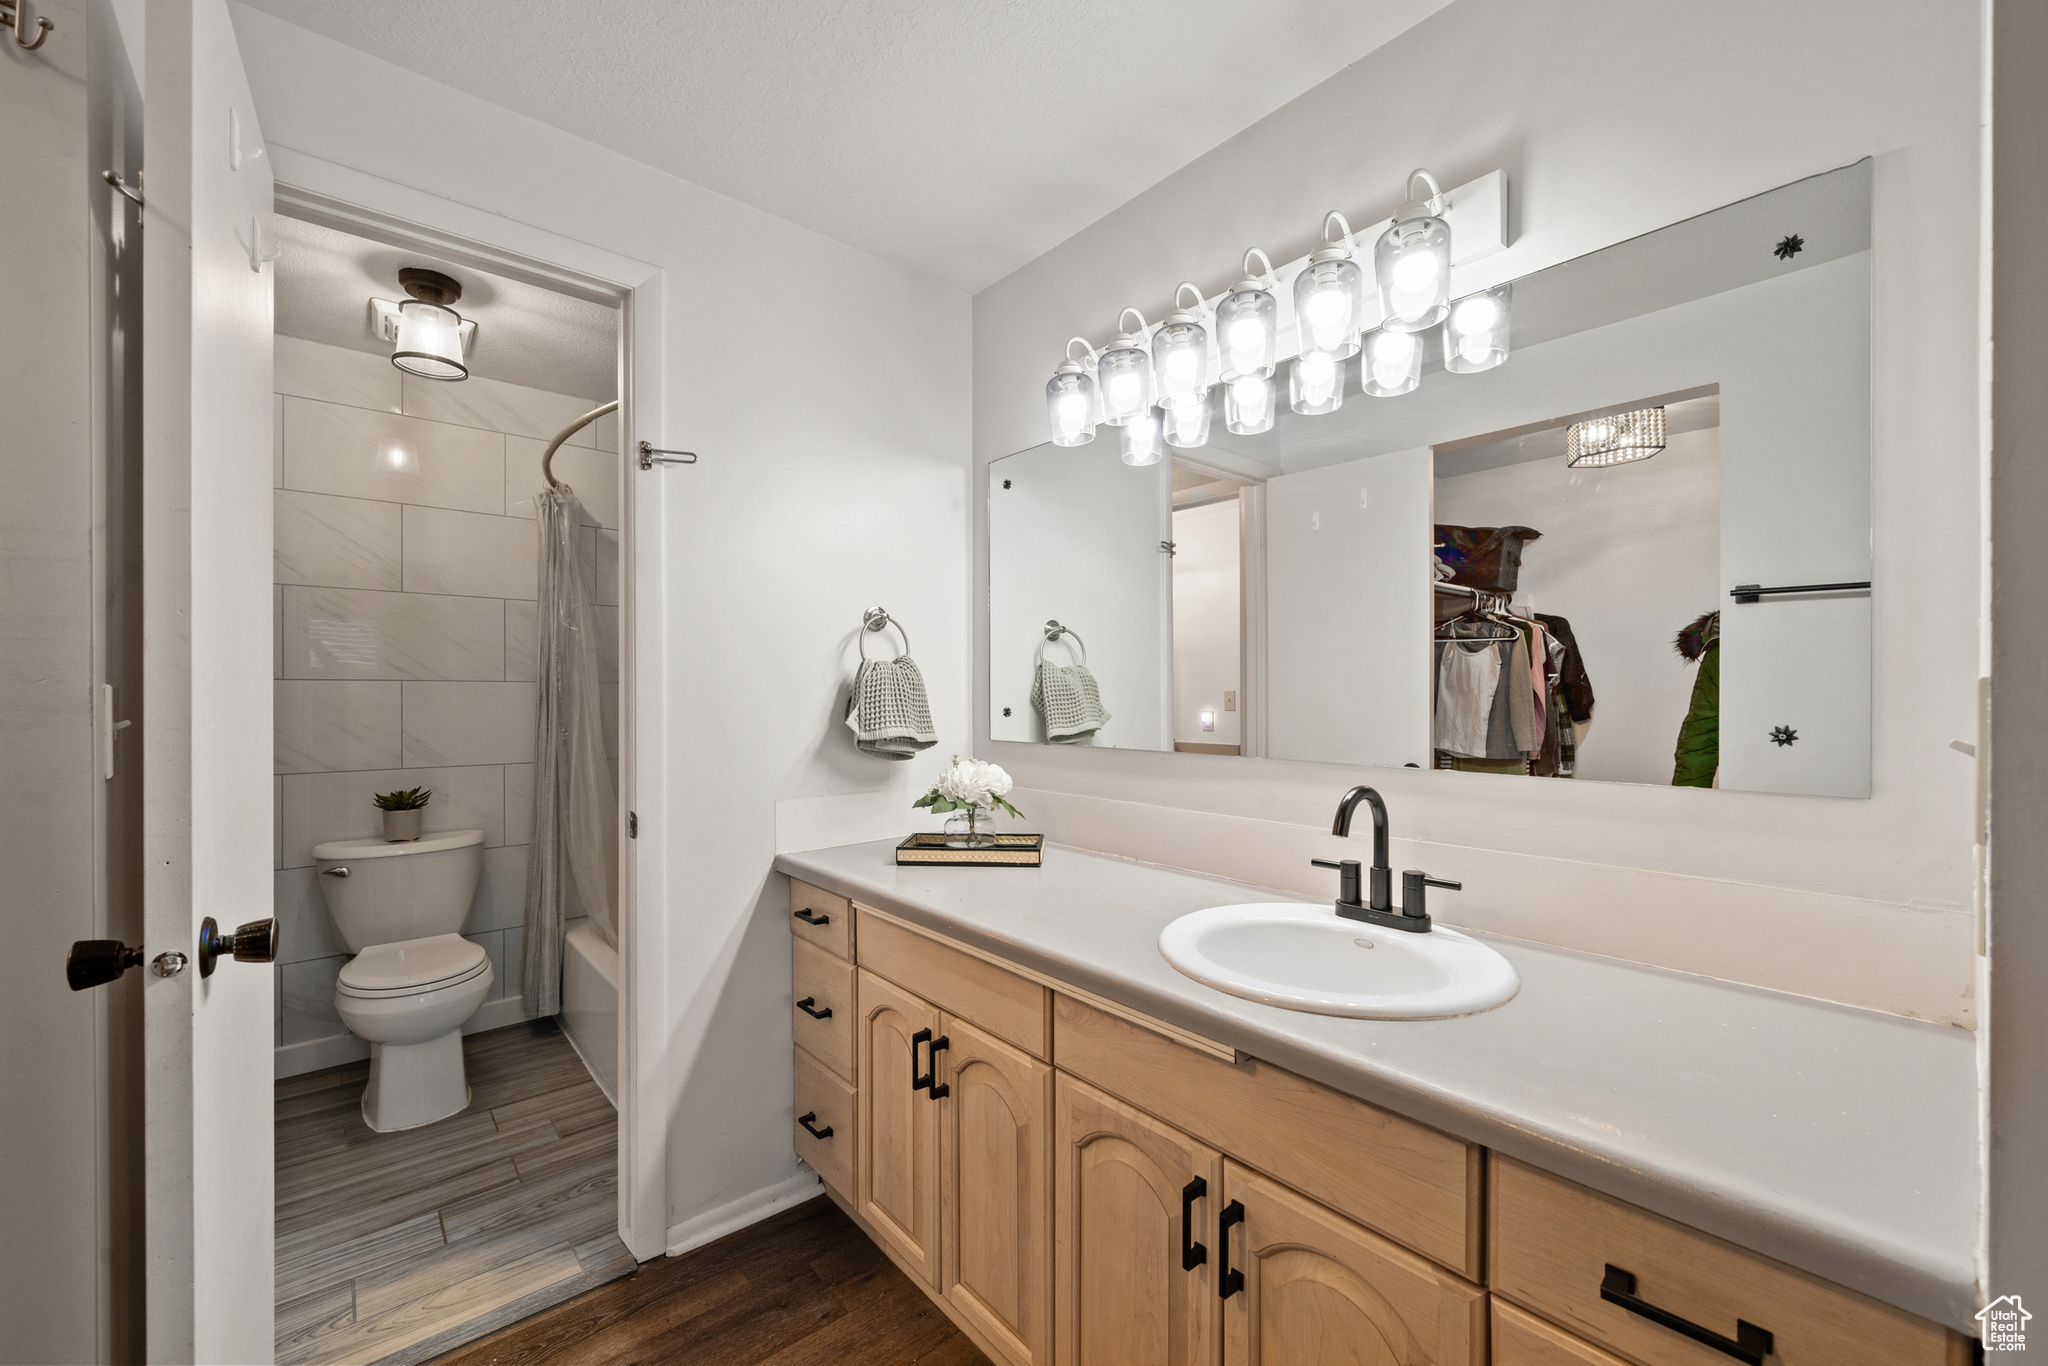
x: 413, y: 981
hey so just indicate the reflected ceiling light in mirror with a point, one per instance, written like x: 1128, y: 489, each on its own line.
x: 1070, y: 398
x: 1392, y: 364
x: 1248, y: 321
x: 1329, y: 295
x: 429, y: 342
x: 1123, y: 374
x: 1476, y: 332
x: 1315, y: 384
x: 1615, y: 439
x: 1248, y: 406
x: 1139, y: 440
x: 1412, y: 261
x: 1183, y: 367
x: 1187, y: 426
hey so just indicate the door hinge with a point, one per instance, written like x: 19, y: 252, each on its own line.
x: 632, y: 825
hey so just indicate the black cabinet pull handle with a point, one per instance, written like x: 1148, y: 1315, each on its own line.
x: 933, y: 1087
x: 917, y: 1081
x: 1192, y: 1253
x: 1750, y: 1344
x: 1228, y: 1280
x: 806, y: 1004
x: 813, y: 1130
x: 810, y: 917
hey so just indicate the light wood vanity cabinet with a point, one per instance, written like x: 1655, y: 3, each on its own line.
x: 1087, y: 1216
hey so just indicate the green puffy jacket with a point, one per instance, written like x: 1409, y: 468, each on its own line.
x: 1698, y: 756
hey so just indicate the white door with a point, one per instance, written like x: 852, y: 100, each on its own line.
x: 207, y: 666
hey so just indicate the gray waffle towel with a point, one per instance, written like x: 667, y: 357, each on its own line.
x: 1066, y: 695
x: 886, y: 709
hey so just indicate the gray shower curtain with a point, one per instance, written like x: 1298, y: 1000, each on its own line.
x: 572, y: 860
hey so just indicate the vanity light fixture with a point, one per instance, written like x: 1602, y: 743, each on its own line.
x: 1476, y: 332
x: 1615, y: 439
x: 1070, y: 398
x: 1123, y: 374
x: 1412, y: 261
x: 1248, y: 406
x: 1247, y: 322
x: 1183, y: 365
x: 1139, y: 439
x: 1329, y: 295
x: 430, y: 338
x: 1187, y: 426
x: 1392, y: 364
x: 1315, y: 383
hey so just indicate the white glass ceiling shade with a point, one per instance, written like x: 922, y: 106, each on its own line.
x: 1186, y: 427
x: 1248, y: 404
x: 1248, y: 321
x: 1329, y: 296
x: 1139, y: 440
x: 1180, y: 362
x: 1615, y: 439
x: 1315, y: 383
x: 1123, y: 375
x: 1476, y: 332
x: 429, y: 341
x: 1412, y: 262
x: 1391, y: 364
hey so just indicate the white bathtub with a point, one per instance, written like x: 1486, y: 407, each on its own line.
x: 590, y: 1003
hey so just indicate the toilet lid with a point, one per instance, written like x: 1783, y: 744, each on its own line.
x: 431, y: 843
x: 412, y: 965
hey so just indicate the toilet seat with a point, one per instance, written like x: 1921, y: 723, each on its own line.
x: 412, y: 966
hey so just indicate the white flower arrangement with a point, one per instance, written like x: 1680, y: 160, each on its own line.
x: 973, y: 786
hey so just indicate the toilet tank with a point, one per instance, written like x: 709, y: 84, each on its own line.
x: 381, y: 893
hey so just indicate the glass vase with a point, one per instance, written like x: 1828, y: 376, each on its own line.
x: 964, y: 830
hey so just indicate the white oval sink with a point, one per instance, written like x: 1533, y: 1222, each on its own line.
x: 1303, y: 957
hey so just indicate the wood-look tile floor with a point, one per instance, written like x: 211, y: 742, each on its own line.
x: 802, y: 1288
x: 396, y: 1247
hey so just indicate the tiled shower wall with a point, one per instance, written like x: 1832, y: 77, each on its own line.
x: 407, y: 564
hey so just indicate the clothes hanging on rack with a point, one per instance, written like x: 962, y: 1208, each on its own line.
x: 1522, y: 673
x: 1467, y: 677
x: 1574, y: 685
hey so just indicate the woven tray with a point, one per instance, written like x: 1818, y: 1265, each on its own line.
x: 1011, y: 851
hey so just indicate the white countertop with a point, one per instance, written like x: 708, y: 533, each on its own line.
x: 1839, y: 1140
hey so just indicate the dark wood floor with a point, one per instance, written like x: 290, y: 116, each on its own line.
x: 395, y: 1247
x: 803, y: 1288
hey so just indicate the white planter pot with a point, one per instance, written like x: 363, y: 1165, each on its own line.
x: 402, y: 826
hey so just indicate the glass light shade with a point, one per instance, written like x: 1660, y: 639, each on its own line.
x: 1246, y: 323
x: 1248, y: 406
x: 1329, y: 297
x: 1186, y: 426
x: 429, y: 341
x: 1615, y: 439
x: 1391, y: 365
x: 1315, y: 384
x: 1140, y: 441
x: 1180, y: 364
x: 1476, y: 332
x: 1412, y: 261
x: 1070, y: 406
x: 1123, y: 376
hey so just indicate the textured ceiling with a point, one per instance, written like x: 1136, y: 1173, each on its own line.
x: 524, y: 334
x: 961, y: 138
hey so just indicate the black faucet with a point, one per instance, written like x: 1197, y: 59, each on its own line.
x: 1378, y: 908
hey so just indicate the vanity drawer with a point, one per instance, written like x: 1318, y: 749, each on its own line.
x: 823, y: 986
x: 1552, y: 1243
x: 818, y: 917
x: 1414, y: 1184
x: 829, y: 1103
x: 1012, y: 1008
x: 1521, y: 1339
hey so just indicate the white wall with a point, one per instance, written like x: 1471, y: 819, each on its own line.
x: 1207, y: 622
x: 832, y: 480
x: 1772, y: 884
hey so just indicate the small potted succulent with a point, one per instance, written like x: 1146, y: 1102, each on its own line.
x: 404, y: 810
x: 968, y: 794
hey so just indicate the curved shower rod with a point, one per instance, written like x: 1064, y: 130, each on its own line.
x: 547, y: 460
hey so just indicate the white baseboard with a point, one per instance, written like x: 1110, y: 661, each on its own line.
x: 733, y: 1215
x: 296, y: 1059
x: 506, y: 1010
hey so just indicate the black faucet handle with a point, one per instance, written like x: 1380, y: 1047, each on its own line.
x: 1413, y: 898
x: 1347, y: 878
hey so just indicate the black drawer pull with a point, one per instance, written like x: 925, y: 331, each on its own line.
x: 933, y: 1087
x: 1192, y: 1253
x: 1228, y: 1281
x: 810, y: 917
x: 813, y: 1130
x: 1750, y: 1344
x: 806, y: 1004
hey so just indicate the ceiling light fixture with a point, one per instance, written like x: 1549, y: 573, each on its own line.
x: 430, y: 339
x: 1476, y: 332
x: 1123, y: 373
x: 1248, y: 321
x: 1139, y: 439
x: 1315, y: 384
x: 1070, y: 397
x: 1329, y: 295
x: 1412, y: 261
x: 1183, y: 364
x: 1615, y: 439
x: 1188, y: 425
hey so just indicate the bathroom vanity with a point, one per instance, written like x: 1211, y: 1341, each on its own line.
x: 1085, y: 1157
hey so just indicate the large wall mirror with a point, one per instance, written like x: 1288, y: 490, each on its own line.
x: 1537, y: 570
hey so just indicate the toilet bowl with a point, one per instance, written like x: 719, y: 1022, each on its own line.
x: 414, y: 982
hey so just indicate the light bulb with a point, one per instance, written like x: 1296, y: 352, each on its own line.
x: 1317, y: 383
x: 1415, y: 272
x: 1072, y: 414
x: 1187, y: 426
x: 1476, y: 333
x: 1392, y: 365
x: 1139, y: 440
x: 1248, y: 405
x: 1475, y: 347
x: 1247, y: 337
x: 1070, y: 404
x: 1182, y: 371
x: 1476, y: 314
x: 1318, y: 372
x: 1124, y: 390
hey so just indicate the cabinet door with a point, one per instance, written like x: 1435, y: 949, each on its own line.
x: 996, y: 1189
x: 1321, y: 1291
x: 899, y: 1138
x: 1123, y: 1294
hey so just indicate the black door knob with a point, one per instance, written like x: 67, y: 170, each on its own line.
x: 255, y: 942
x: 96, y: 962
